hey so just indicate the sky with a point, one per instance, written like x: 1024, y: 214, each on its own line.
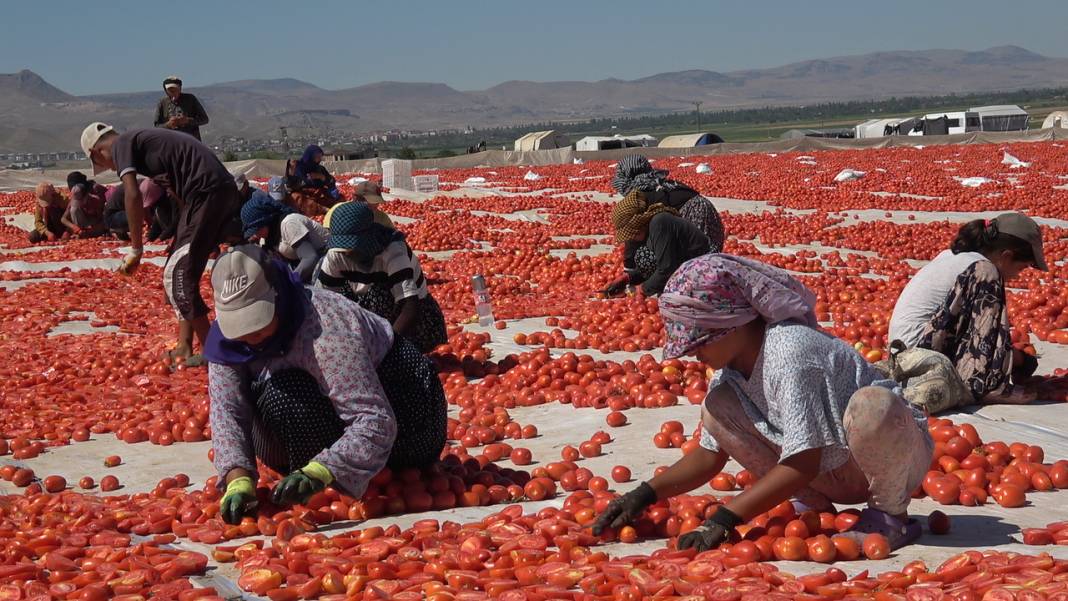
x: 121, y: 45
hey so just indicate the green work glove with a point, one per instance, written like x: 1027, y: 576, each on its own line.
x: 239, y: 498
x: 300, y: 485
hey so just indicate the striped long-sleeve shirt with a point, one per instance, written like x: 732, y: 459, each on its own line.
x: 340, y: 345
x: 396, y: 268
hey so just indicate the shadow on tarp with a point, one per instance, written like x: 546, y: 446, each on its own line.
x: 971, y: 531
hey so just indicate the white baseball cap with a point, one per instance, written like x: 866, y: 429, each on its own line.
x: 244, y: 298
x: 90, y: 136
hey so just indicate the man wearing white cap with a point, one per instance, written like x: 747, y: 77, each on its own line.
x: 180, y: 111
x: 210, y: 201
x: 311, y: 385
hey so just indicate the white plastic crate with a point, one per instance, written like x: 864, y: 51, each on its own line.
x: 397, y: 174
x: 425, y: 183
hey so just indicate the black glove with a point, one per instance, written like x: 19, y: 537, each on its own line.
x: 617, y: 287
x: 712, y: 533
x: 295, y: 488
x: 239, y: 500
x: 625, y: 509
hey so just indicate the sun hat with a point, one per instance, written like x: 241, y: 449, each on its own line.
x: 369, y: 191
x: 1023, y: 227
x: 90, y: 136
x: 244, y: 298
x: 276, y: 187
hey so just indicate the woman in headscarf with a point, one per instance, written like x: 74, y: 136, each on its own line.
x: 312, y: 385
x: 634, y: 172
x: 298, y: 239
x: 655, y: 228
x: 48, y: 214
x: 798, y: 408
x: 956, y: 305
x: 312, y: 181
x: 374, y: 266
x: 85, y: 212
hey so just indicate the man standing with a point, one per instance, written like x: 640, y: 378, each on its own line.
x: 179, y: 111
x: 209, y: 200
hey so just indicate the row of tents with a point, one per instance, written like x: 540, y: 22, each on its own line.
x: 547, y: 140
x: 1005, y: 117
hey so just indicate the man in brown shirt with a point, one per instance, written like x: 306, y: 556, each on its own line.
x: 180, y: 111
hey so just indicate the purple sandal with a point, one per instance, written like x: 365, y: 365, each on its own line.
x: 898, y: 534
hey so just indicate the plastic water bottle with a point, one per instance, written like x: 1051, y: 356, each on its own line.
x: 482, y: 301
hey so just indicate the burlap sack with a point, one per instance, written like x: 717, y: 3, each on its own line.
x: 928, y: 378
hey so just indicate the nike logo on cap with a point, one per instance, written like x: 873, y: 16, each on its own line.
x: 233, y: 287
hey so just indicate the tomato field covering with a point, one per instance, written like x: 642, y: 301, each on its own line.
x: 556, y: 408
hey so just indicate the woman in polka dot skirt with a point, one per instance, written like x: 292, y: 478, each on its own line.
x: 312, y: 385
x: 374, y: 266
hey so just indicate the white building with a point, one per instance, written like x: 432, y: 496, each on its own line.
x: 1002, y: 117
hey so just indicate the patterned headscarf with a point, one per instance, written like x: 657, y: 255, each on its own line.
x: 633, y: 214
x: 714, y: 294
x: 634, y: 172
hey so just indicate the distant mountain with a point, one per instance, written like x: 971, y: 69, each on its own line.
x: 39, y: 117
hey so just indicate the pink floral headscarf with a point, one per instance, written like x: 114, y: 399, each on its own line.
x: 714, y: 294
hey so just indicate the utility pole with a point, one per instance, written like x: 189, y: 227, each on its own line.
x: 697, y: 104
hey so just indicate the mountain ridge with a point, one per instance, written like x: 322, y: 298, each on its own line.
x: 256, y: 108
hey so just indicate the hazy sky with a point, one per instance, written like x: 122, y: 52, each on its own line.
x: 108, y: 46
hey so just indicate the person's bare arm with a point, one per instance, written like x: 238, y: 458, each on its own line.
x: 686, y: 474
x: 778, y: 485
x: 407, y: 317
x: 68, y: 221
x: 135, y: 210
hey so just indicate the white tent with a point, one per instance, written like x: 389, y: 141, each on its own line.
x: 614, y: 142
x: 1002, y: 117
x: 1056, y: 119
x: 691, y: 140
x: 875, y: 128
x: 542, y: 140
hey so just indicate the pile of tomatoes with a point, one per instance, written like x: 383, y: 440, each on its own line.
x: 964, y: 470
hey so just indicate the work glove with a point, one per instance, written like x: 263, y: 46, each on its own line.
x: 239, y: 499
x: 617, y: 287
x: 712, y: 533
x: 300, y: 485
x: 131, y: 261
x: 625, y: 509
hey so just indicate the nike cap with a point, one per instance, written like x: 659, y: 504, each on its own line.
x: 244, y: 298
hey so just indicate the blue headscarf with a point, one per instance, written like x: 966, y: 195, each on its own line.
x: 307, y: 163
x: 353, y: 228
x: 290, y: 307
x: 261, y: 210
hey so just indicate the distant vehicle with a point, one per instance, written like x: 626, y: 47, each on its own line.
x: 940, y: 124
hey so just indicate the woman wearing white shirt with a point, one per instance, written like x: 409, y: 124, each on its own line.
x: 297, y: 238
x: 956, y: 305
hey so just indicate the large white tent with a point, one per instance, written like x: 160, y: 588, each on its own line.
x: 875, y: 128
x: 1056, y: 119
x: 1002, y: 117
x: 542, y: 140
x: 614, y: 142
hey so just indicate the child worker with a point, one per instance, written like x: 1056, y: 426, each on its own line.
x: 798, y: 408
